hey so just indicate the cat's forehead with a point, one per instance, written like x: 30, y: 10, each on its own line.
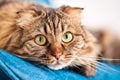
x: 56, y: 18
x: 50, y: 20
x: 56, y: 23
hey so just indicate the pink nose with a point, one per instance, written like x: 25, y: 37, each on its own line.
x: 56, y: 50
x: 57, y: 55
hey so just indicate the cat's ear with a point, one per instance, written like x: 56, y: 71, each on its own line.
x: 28, y: 17
x: 72, y: 11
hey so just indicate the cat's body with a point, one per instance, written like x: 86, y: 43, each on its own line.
x: 53, y: 37
x: 109, y: 44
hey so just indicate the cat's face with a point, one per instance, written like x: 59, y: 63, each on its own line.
x: 53, y: 39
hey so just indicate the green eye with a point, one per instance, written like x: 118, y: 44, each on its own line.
x: 67, y: 37
x: 40, y: 40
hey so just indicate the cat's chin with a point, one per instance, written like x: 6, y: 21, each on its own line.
x: 57, y: 67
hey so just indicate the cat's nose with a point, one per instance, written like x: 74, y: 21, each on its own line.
x: 57, y: 55
x: 56, y: 50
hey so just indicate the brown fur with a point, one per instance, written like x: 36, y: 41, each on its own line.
x: 8, y: 18
x: 20, y: 23
x: 109, y: 44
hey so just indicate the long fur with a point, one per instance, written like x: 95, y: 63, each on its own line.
x: 20, y: 23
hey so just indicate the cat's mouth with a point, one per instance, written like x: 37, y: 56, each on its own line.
x: 56, y: 65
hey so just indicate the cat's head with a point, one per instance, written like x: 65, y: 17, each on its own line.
x: 53, y: 37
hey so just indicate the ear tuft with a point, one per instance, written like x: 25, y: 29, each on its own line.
x: 29, y: 16
x: 24, y: 18
x: 71, y: 10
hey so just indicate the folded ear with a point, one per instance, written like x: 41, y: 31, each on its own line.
x: 72, y: 11
x: 29, y: 16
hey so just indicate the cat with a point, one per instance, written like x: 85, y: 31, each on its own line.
x: 109, y: 44
x: 50, y: 36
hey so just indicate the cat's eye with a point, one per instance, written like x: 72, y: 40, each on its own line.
x: 67, y: 37
x: 40, y: 40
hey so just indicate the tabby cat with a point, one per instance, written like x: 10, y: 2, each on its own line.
x: 52, y: 37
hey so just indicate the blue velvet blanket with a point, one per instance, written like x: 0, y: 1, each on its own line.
x: 14, y: 68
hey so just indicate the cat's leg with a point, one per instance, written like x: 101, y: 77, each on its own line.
x: 89, y: 71
x: 84, y: 70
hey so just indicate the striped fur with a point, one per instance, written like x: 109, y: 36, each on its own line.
x: 24, y: 21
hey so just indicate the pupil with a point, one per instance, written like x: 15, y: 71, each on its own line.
x: 66, y: 36
x: 40, y: 39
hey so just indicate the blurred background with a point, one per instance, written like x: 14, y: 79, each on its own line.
x: 97, y: 14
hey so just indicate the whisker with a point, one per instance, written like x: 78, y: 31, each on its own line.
x: 103, y: 58
x: 101, y: 65
x: 109, y: 59
x: 76, y: 66
x: 104, y: 65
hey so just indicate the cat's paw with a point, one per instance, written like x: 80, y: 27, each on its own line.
x: 84, y: 70
x: 89, y: 71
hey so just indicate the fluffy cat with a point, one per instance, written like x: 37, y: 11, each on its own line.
x: 52, y: 37
x: 109, y: 44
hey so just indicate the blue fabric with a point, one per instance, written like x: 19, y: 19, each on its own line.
x: 43, y: 1
x: 14, y: 68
